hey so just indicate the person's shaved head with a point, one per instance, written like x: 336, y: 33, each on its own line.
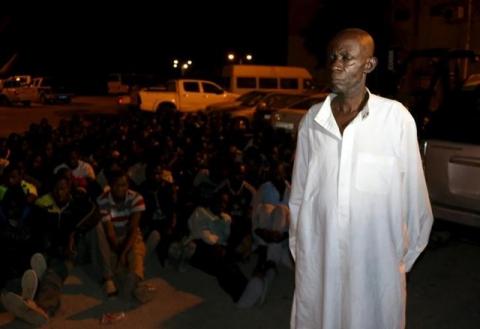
x: 350, y: 59
x: 363, y: 37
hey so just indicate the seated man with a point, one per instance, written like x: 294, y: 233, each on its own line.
x: 120, y: 239
x: 159, y: 219
x: 19, y: 239
x: 82, y: 172
x: 67, y: 218
x: 240, y: 195
x: 271, y: 218
x: 209, y: 232
x: 14, y: 178
x: 270, y: 223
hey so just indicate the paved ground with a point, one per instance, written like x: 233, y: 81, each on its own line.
x: 188, y: 299
x: 18, y: 119
x: 443, y: 293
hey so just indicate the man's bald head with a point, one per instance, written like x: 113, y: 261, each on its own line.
x: 350, y: 59
x: 362, y: 36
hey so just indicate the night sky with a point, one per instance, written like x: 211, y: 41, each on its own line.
x: 82, y: 43
x: 139, y: 38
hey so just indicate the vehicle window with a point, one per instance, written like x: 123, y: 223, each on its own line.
x: 281, y: 100
x: 245, y: 82
x: 247, y: 96
x: 191, y: 86
x: 458, y: 119
x: 11, y: 84
x: 287, y: 100
x: 289, y: 83
x: 305, y: 104
x: 254, y: 98
x: 210, y: 88
x: 268, y: 83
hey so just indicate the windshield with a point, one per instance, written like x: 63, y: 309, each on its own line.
x: 458, y: 119
x: 306, y: 103
x: 251, y: 98
x: 281, y: 100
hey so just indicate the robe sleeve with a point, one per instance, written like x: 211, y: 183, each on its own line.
x: 417, y: 211
x: 299, y: 177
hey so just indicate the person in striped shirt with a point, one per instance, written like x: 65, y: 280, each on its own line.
x: 120, y: 239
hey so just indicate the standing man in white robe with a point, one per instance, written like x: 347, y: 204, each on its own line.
x: 360, y: 212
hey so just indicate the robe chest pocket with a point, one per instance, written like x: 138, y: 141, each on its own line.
x: 373, y: 173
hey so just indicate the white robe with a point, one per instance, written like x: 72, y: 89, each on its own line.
x: 360, y: 216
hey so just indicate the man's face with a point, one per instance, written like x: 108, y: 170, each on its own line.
x: 14, y: 179
x: 61, y: 192
x: 347, y: 59
x: 73, y: 160
x: 157, y: 174
x: 15, y: 212
x: 120, y: 187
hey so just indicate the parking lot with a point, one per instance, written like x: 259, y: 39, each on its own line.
x: 17, y: 118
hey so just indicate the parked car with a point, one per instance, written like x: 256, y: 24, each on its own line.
x: 266, y: 112
x: 14, y: 93
x: 246, y: 100
x: 50, y: 91
x: 289, y: 117
x: 451, y: 154
x: 248, y: 114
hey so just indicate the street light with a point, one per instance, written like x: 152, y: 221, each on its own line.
x: 182, y: 65
x: 248, y: 58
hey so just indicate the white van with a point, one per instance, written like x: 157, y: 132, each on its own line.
x: 241, y: 79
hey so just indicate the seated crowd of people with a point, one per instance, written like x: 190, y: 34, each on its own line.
x: 113, y: 191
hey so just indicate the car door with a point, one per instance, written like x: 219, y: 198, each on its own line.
x: 191, y: 97
x: 452, y: 160
x: 212, y: 93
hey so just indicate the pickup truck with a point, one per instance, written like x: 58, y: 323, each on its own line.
x: 26, y: 90
x: 49, y: 91
x: 184, y: 95
x: 451, y: 152
x: 14, y: 92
